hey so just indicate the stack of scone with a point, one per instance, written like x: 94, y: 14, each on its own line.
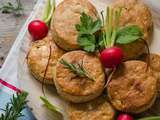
x: 133, y: 87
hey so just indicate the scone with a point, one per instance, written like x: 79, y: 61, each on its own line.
x: 66, y: 16
x: 38, y: 56
x: 97, y: 109
x: 134, y: 12
x: 133, y: 87
x: 79, y: 89
x: 155, y: 66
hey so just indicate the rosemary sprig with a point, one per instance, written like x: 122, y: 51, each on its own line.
x: 78, y: 69
x: 10, y: 8
x: 13, y: 108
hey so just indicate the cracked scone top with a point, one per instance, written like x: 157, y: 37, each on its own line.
x: 133, y: 88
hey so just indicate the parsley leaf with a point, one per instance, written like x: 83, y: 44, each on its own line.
x: 129, y: 34
x: 88, y: 42
x: 87, y: 25
x: 86, y: 32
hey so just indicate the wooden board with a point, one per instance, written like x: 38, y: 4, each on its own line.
x: 10, y: 26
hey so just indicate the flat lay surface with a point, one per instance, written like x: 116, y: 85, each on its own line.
x: 17, y: 73
x: 10, y: 25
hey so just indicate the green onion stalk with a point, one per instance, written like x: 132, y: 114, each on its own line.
x: 111, y: 26
x: 48, y: 12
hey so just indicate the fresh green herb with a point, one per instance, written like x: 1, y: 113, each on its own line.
x: 86, y: 32
x: 49, y: 105
x: 113, y: 33
x: 127, y: 39
x: 88, y: 42
x: 48, y: 12
x: 150, y: 118
x: 130, y: 30
x: 78, y: 69
x: 110, y: 31
x: 129, y: 34
x: 10, y: 8
x: 87, y: 25
x: 13, y: 109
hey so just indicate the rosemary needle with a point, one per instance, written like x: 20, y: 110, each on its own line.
x: 13, y: 109
x: 77, y: 68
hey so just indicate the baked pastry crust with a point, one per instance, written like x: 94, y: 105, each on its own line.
x: 154, y: 63
x: 132, y: 88
x: 79, y: 89
x: 97, y: 109
x: 66, y: 16
x: 38, y: 56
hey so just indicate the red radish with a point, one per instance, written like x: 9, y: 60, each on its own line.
x: 38, y: 29
x: 111, y: 57
x: 125, y: 117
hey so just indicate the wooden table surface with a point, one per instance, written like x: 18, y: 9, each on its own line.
x: 10, y: 25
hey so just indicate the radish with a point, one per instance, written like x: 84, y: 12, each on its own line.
x: 125, y: 117
x: 38, y: 29
x: 113, y: 34
x: 111, y: 57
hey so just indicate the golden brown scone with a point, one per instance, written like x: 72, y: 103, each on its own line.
x: 79, y: 89
x: 66, y: 16
x: 155, y: 66
x: 132, y: 88
x: 38, y: 56
x: 134, y: 12
x: 97, y: 109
